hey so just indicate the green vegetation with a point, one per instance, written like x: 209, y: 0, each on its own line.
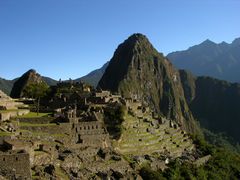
x: 6, y: 85
x: 8, y: 110
x: 214, y: 103
x: 5, y: 133
x: 60, y: 173
x: 36, y: 91
x: 221, y: 140
x: 114, y: 118
x: 223, y: 164
x: 147, y: 173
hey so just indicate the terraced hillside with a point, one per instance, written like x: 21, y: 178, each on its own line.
x: 10, y: 108
x: 144, y: 134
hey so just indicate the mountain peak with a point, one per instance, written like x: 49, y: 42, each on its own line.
x: 31, y: 71
x: 208, y: 42
x: 138, y: 71
x: 31, y: 76
x: 137, y: 37
x: 136, y: 40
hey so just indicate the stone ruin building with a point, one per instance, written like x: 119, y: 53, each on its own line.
x: 87, y: 130
x: 14, y: 162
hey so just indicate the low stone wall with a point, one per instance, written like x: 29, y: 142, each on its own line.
x: 38, y: 120
x: 93, y: 140
x: 9, y: 104
x: 22, y: 112
x: 4, y: 116
x: 62, y: 128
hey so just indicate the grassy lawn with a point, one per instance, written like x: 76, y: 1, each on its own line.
x: 5, y: 133
x: 61, y: 174
x: 34, y: 115
x: 9, y: 110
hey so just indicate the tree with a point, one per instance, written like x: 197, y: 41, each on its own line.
x: 36, y: 91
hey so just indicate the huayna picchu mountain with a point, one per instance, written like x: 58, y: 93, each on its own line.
x: 138, y: 70
x: 29, y: 77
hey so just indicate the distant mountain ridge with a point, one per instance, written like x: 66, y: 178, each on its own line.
x: 220, y: 61
x: 94, y: 76
x: 7, y: 85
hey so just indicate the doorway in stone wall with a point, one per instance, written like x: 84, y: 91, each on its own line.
x: 80, y: 140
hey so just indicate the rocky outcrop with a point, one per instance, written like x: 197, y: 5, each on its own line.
x: 29, y: 77
x: 137, y: 70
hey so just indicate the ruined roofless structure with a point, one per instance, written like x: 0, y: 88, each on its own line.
x: 87, y: 133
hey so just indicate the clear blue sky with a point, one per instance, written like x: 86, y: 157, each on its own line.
x: 69, y: 38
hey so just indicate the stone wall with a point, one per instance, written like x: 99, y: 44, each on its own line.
x: 18, y: 161
x: 63, y: 128
x: 41, y: 120
x: 4, y: 116
x: 89, y: 128
x: 90, y: 134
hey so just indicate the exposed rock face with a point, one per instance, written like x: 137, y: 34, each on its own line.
x: 30, y: 76
x: 137, y: 70
x: 215, y: 103
x: 188, y: 83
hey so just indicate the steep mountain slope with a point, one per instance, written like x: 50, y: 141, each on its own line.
x: 30, y: 76
x: 6, y: 85
x: 94, y: 77
x: 215, y: 103
x: 49, y: 81
x: 137, y: 70
x: 221, y: 61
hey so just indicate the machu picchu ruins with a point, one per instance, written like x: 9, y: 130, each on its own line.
x: 72, y: 130
x: 76, y: 137
x: 135, y: 124
x: 119, y: 90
